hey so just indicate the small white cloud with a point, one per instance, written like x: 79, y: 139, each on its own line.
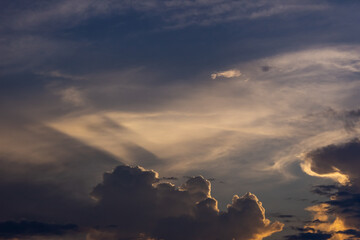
x: 227, y: 74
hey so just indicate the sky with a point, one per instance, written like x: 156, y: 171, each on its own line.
x: 179, y: 119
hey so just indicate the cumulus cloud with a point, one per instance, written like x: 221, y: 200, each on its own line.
x: 131, y: 203
x: 227, y: 74
x: 164, y: 211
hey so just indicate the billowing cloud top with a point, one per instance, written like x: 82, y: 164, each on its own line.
x: 135, y: 202
x: 132, y: 203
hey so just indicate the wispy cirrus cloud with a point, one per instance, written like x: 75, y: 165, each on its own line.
x: 283, y: 102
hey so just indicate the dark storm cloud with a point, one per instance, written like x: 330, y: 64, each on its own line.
x: 13, y: 230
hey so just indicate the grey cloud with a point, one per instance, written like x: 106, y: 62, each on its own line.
x: 278, y: 215
x: 326, y: 190
x: 175, y: 13
x: 354, y: 234
x: 344, y: 200
x: 346, y: 204
x: 167, y: 212
x: 265, y: 68
x: 170, y: 178
x: 47, y: 155
x: 11, y: 229
x: 350, y: 118
x: 130, y: 203
x: 46, y: 175
x: 44, y: 202
x: 344, y: 157
x: 309, y: 236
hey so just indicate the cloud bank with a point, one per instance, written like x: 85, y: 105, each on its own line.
x: 134, y: 203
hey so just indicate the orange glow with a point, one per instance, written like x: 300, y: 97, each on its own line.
x: 327, y: 223
x: 341, y: 178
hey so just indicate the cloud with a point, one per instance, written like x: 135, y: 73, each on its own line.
x: 29, y: 51
x: 309, y: 236
x: 174, y: 13
x: 227, y: 74
x: 220, y: 127
x: 285, y: 106
x: 354, y: 234
x: 332, y: 159
x: 33, y: 154
x: 326, y: 190
x: 283, y: 215
x: 130, y: 202
x: 72, y: 96
x: 11, y: 229
x: 59, y: 12
x: 164, y: 211
x: 334, y: 174
x: 340, y: 58
x: 340, y: 215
